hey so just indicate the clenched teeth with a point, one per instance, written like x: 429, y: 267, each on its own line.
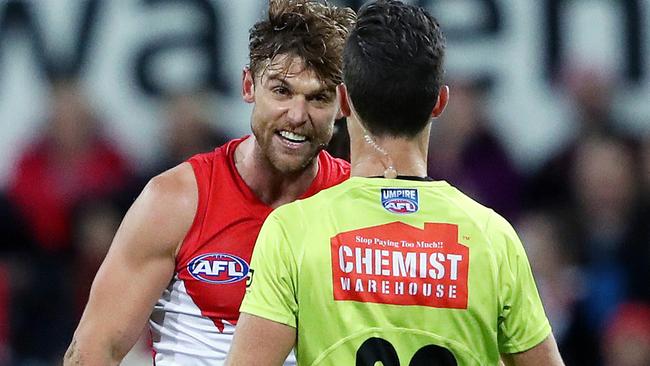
x: 293, y: 136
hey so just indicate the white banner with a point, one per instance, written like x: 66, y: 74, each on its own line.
x: 129, y: 53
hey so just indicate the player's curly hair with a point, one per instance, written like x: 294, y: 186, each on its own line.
x: 315, y: 31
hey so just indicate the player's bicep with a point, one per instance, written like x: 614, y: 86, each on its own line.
x: 122, y: 296
x: 139, y: 265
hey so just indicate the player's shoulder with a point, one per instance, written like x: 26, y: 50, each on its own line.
x: 174, y: 189
x: 163, y: 212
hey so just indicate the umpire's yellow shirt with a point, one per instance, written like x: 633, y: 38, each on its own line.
x: 395, y: 271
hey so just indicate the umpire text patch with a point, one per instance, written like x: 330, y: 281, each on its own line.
x: 400, y: 200
x: 400, y: 264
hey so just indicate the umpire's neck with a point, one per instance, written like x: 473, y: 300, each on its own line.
x: 379, y: 155
x: 408, y: 156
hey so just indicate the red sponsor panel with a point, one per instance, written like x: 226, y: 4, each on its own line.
x: 403, y: 265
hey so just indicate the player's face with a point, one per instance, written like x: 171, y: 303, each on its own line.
x: 293, y: 115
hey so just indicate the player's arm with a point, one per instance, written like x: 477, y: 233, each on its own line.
x: 544, y: 354
x: 138, y: 267
x: 261, y: 342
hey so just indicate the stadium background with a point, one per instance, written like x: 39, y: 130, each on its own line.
x: 549, y: 123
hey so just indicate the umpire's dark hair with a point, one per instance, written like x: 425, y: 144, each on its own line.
x: 393, y: 67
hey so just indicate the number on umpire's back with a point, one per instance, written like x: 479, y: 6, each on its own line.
x: 375, y: 350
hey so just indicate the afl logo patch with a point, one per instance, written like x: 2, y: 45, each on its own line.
x: 400, y: 200
x: 218, y: 268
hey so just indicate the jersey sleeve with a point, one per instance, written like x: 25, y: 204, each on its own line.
x: 271, y: 289
x: 522, y: 321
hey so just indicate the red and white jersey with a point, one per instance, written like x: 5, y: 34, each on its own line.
x: 194, y: 320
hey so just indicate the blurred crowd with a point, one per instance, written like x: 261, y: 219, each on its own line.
x: 583, y: 215
x: 59, y: 212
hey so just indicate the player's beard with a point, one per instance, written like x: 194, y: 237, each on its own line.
x: 283, y: 160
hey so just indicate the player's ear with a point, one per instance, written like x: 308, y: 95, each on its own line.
x: 441, y: 102
x: 248, y: 85
x: 344, y: 104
